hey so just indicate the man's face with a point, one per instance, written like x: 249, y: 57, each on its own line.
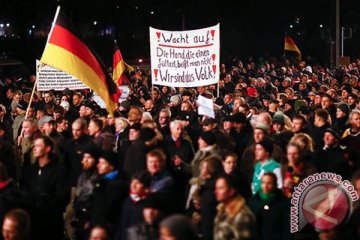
x: 163, y: 118
x: 134, y: 134
x: 31, y: 112
x: 227, y: 125
x: 329, y: 139
x: 104, y: 167
x: 48, y: 128
x: 82, y: 111
x: 149, y: 104
x: 355, y: 121
x: 9, y: 94
x: 293, y: 155
x: 227, y: 99
x: 259, y: 135
x: 93, y: 128
x: 89, y: 111
x: 77, y: 131
x: 64, y: 125
x: 153, y: 164
x: 150, y: 215
x: 27, y: 129
x: 176, y: 130
x: 47, y: 97
x: 56, y: 115
x: 227, y: 78
x: 137, y: 187
x: 76, y: 100
x: 222, y: 191
x: 260, y: 153
x: 202, y: 143
x: 325, y: 103
x: 296, y: 125
x: 339, y: 113
x: 9, y: 228
x: 229, y: 164
x: 267, y: 184
x: 40, y: 149
x: 17, y: 97
x: 98, y: 234
x: 87, y: 161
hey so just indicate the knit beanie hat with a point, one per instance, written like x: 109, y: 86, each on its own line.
x: 263, y: 127
x: 344, y: 107
x: 180, y: 227
x: 146, y: 134
x: 209, y: 137
x: 267, y: 145
x: 278, y: 118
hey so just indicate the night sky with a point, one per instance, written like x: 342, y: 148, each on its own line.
x: 247, y: 27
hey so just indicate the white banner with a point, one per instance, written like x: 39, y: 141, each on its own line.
x: 185, y: 58
x: 53, y: 78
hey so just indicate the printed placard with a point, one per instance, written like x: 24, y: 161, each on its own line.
x: 53, y: 78
x: 185, y: 58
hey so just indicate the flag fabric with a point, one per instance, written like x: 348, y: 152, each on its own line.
x: 66, y: 50
x: 291, y: 46
x: 120, y: 67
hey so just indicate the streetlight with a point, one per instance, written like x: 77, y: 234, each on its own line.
x: 321, y: 26
x: 291, y: 26
x: 33, y: 26
x: 1, y: 25
x: 95, y: 23
x: 8, y: 25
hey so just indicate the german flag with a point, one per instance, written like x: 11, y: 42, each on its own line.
x: 120, y: 67
x: 291, y: 46
x: 66, y: 50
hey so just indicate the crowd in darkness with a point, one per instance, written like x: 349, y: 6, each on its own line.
x: 156, y: 169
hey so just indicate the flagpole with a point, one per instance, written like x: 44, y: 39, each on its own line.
x: 31, y: 98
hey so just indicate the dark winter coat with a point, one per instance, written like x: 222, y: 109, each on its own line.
x: 273, y: 218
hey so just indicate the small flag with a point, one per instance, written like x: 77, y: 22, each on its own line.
x: 120, y: 67
x: 291, y: 46
x: 66, y: 50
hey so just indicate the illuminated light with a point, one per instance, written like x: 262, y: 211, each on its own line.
x: 140, y: 60
x: 1, y: 25
x: 33, y: 26
x: 95, y: 23
x: 321, y: 26
x: 8, y: 24
x: 291, y: 26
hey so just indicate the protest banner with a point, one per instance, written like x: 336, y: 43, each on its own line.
x: 185, y: 58
x: 52, y: 78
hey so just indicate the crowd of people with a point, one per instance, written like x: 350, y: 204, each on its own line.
x: 156, y: 169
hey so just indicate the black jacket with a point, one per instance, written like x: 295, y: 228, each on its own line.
x: 48, y: 193
x: 73, y: 156
x: 106, y: 201
x: 273, y: 218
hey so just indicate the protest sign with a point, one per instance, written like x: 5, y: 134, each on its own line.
x: 52, y: 78
x: 125, y: 91
x: 185, y: 58
x: 205, y: 106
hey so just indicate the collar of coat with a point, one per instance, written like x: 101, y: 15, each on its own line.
x: 233, y: 207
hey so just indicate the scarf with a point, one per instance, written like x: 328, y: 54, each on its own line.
x: 111, y: 175
x: 138, y: 197
x: 3, y: 184
x: 267, y: 197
